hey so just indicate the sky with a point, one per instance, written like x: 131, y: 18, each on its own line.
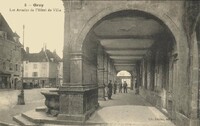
x: 43, y: 21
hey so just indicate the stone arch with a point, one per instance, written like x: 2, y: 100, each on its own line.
x: 125, y: 72
x: 166, y: 20
x: 125, y: 75
x: 162, y: 17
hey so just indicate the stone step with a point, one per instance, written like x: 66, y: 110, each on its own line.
x: 23, y: 121
x: 6, y: 124
x: 41, y: 109
x: 41, y: 118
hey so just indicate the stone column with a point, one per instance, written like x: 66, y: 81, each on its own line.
x: 138, y: 78
x: 78, y: 100
x: 105, y: 68
x: 105, y: 72
x: 109, y: 70
x: 67, y: 49
x: 100, y: 73
x: 113, y: 72
x: 132, y: 81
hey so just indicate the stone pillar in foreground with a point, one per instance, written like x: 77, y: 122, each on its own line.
x: 78, y: 98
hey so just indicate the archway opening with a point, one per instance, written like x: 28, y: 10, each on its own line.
x: 124, y: 76
x: 137, y: 42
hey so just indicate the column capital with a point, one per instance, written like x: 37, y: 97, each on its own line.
x: 76, y: 55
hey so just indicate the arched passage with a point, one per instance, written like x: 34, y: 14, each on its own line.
x: 130, y: 46
x: 93, y: 55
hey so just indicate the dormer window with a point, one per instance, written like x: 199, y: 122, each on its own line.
x: 4, y: 65
x: 11, y: 66
x: 16, y: 39
x: 52, y: 59
x: 3, y: 35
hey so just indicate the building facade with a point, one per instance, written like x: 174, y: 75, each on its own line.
x: 41, y: 69
x: 10, y: 57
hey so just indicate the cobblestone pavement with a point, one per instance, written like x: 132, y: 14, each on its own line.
x: 9, y: 107
x: 123, y: 110
x: 128, y: 110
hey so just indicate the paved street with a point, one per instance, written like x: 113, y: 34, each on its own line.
x: 9, y: 107
x: 129, y: 109
x: 123, y: 109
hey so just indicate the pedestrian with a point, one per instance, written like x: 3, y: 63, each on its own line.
x: 109, y: 92
x: 115, y: 87
x: 120, y: 87
x: 136, y: 87
x: 125, y: 87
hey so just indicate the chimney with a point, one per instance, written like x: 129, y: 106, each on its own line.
x: 44, y: 47
x: 16, y: 37
x: 27, y: 50
x: 54, y: 51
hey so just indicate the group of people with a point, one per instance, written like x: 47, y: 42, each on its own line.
x: 113, y: 88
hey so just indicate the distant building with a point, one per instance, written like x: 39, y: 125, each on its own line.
x: 41, y: 69
x: 10, y: 56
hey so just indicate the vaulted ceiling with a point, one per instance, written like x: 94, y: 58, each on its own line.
x: 127, y: 37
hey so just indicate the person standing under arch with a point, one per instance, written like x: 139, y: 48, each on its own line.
x: 115, y: 87
x: 125, y: 87
x: 110, y: 89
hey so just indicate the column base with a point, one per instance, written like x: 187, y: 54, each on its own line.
x: 102, y: 99
x: 101, y: 93
x: 79, y: 117
x: 77, y: 103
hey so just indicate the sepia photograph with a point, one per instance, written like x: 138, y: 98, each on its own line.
x: 99, y: 63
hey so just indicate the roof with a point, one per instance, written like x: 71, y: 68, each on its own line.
x: 15, y: 34
x: 42, y: 56
x: 53, y: 55
x: 5, y: 27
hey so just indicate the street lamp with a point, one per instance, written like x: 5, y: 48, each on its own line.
x: 21, y: 95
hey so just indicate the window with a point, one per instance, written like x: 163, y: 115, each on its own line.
x: 43, y: 65
x: 34, y: 66
x: 4, y: 65
x: 11, y: 66
x: 35, y: 74
x: 26, y: 67
x: 3, y: 34
x: 52, y: 59
x: 26, y: 74
x: 16, y: 67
